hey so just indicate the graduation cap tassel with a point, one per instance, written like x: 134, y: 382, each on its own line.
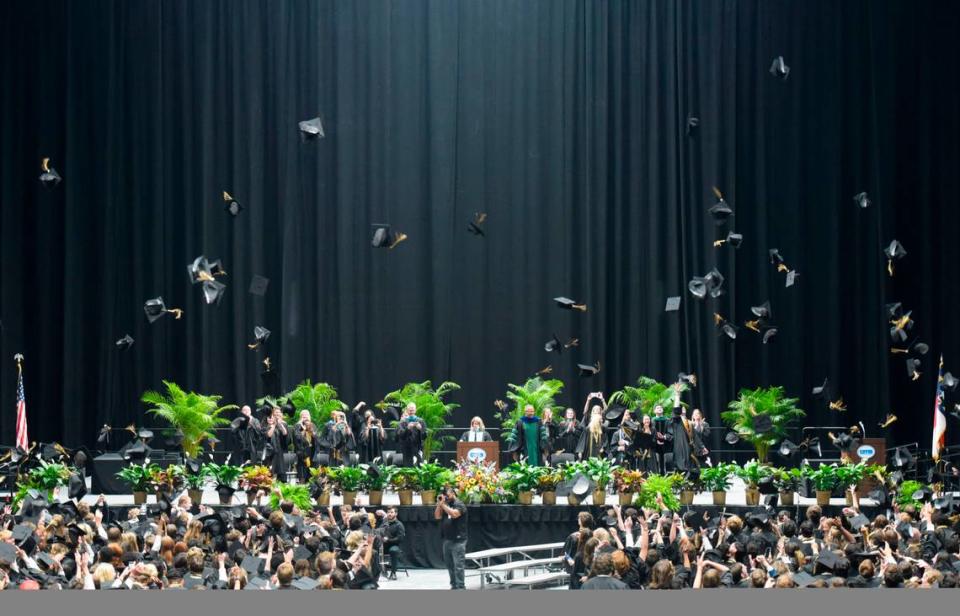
x: 176, y: 312
x: 890, y: 267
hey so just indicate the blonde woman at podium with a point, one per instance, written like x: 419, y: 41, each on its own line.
x: 477, y: 432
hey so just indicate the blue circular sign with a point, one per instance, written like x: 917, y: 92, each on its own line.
x: 866, y: 452
x: 476, y: 455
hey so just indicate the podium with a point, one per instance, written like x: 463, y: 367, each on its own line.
x: 485, y: 452
x: 879, y: 456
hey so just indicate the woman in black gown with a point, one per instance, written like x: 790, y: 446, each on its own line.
x: 276, y: 440
x: 371, y: 438
x: 643, y: 444
x: 567, y: 434
x: 682, y: 434
x: 305, y: 445
x: 700, y: 429
x: 593, y: 443
x: 338, y: 439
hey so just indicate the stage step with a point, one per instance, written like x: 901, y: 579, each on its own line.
x: 522, y: 564
x: 541, y: 579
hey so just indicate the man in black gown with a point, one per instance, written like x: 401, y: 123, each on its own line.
x: 247, y: 435
x: 662, y: 435
x: 411, y: 431
x: 682, y: 434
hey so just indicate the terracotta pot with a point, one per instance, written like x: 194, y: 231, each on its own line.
x: 549, y: 498
x: 719, y: 498
x: 599, y: 496
x: 823, y: 497
x: 848, y: 496
x: 686, y: 497
x: 573, y: 500
x: 406, y: 497
x: 139, y: 498
x: 376, y: 497
x: 196, y: 496
x: 428, y: 497
x: 786, y: 499
x: 323, y: 499
x: 349, y: 497
x: 753, y: 497
x: 625, y: 498
x: 525, y: 498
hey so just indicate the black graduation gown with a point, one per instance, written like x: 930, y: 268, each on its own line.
x: 698, y: 444
x: 465, y: 437
x: 306, y: 448
x: 643, y: 452
x: 410, y: 435
x: 590, y: 447
x: 624, y: 458
x: 338, y: 443
x: 567, y: 437
x: 370, y: 446
x: 662, y: 425
x: 274, y: 448
x: 247, y: 438
x: 681, y: 445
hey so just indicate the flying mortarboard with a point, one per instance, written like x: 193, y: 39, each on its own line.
x: 581, y: 486
x: 889, y: 421
x: 894, y: 252
x: 732, y: 438
x: 791, y: 278
x: 949, y: 382
x: 913, y: 368
x: 673, y: 304
x: 475, y: 226
x: 769, y: 333
x: 155, y: 308
x: 569, y: 304
x: 689, y: 379
x: 779, y: 69
x: 734, y: 239
x: 721, y: 210
x: 125, y: 343
x: 822, y: 391
x: 258, y: 285
x: 260, y: 334
x: 725, y: 327
x: 762, y: 311
x: 862, y: 200
x: 311, y: 130
x: 213, y: 291
x: 231, y: 205
x: 49, y: 178
x: 587, y: 370
x: 383, y: 237
x: 693, y: 122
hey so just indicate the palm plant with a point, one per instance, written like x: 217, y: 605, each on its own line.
x: 194, y: 416
x: 431, y: 408
x: 320, y: 399
x: 298, y: 494
x: 648, y: 394
x: 769, y: 401
x: 537, y: 392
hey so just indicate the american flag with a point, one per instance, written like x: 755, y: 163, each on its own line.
x: 939, y: 419
x: 23, y: 442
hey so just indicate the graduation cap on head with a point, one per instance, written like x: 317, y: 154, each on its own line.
x: 721, y: 210
x: 894, y: 252
x: 8, y: 553
x: 779, y: 69
x: 587, y: 371
x: 568, y: 304
x: 383, y: 237
x: 261, y: 335
x: 125, y: 343
x: 49, y: 178
x: 475, y: 226
x: 311, y: 130
x: 231, y: 205
x: 862, y: 200
x: 305, y: 583
x: 734, y: 239
x: 828, y: 559
x: 693, y: 122
x: 155, y: 308
x: 673, y: 304
x: 258, y: 285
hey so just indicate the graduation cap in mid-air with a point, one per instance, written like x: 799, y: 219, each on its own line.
x: 311, y: 130
x: 231, y: 205
x: 155, y: 308
x: 384, y: 237
x: 779, y: 69
x: 49, y: 178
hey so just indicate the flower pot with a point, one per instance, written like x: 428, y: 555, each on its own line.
x: 525, y: 497
x: 428, y: 497
x: 195, y: 495
x: 600, y: 496
x: 139, y: 497
x: 376, y: 497
x: 549, y: 498
x: 786, y: 498
x: 625, y: 498
x: 162, y: 495
x: 406, y: 497
x: 719, y: 498
x: 848, y: 496
x: 823, y: 497
x: 323, y: 499
x: 349, y: 497
x: 573, y: 500
x: 251, y: 497
x: 226, y: 495
x: 686, y: 497
x: 753, y: 497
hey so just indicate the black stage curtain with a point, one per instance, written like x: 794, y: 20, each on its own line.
x: 564, y: 120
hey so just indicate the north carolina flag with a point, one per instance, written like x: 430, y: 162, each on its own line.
x: 939, y: 419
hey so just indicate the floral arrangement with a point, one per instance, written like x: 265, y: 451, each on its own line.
x: 480, y: 483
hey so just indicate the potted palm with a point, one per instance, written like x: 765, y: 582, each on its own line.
x: 648, y: 394
x: 787, y: 482
x: 600, y: 471
x: 568, y: 472
x: 431, y: 408
x: 627, y: 482
x: 195, y: 482
x: 166, y: 481
x: 375, y: 482
x: 752, y: 473
x: 537, y: 392
x: 656, y: 489
x: 432, y: 477
x: 688, y: 485
x: 547, y: 486
x: 320, y: 399
x: 298, y: 494
x: 824, y: 480
x: 255, y: 479
x: 193, y: 416
x: 137, y: 476
x: 225, y: 477
x: 716, y: 479
x: 347, y: 480
x: 763, y: 402
x: 405, y: 481
x: 522, y: 479
x: 848, y: 476
x: 320, y: 484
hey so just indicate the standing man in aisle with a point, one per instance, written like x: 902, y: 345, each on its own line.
x: 452, y: 514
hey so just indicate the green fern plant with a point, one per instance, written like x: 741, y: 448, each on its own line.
x: 319, y: 398
x: 769, y: 401
x: 646, y: 395
x: 298, y: 494
x: 537, y: 392
x: 905, y: 494
x: 194, y: 416
x: 663, y: 485
x: 431, y: 408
